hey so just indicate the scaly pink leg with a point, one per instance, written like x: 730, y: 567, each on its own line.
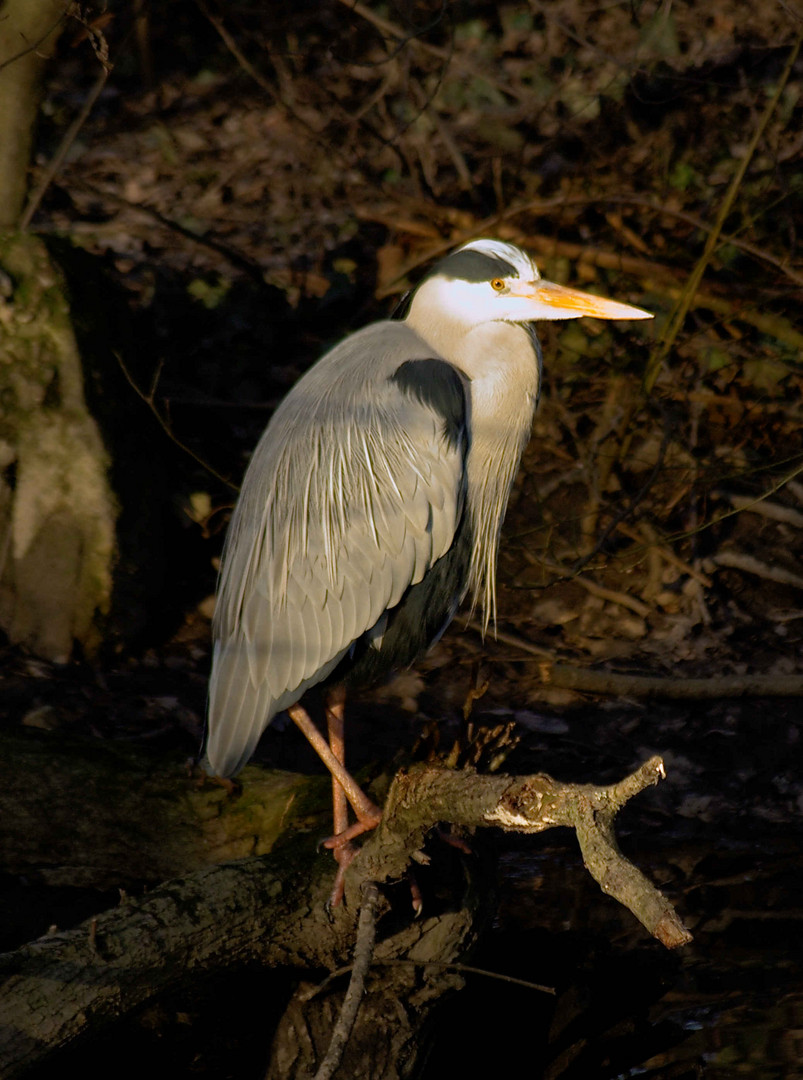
x: 335, y: 708
x: 368, y: 813
x: 343, y: 852
x: 344, y: 786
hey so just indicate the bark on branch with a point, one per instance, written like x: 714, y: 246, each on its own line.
x: 525, y: 804
x: 271, y: 909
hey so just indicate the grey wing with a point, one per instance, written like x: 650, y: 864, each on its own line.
x: 348, y: 501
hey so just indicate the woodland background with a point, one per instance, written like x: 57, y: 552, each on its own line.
x: 255, y: 181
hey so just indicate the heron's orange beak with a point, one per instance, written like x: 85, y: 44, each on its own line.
x: 569, y: 303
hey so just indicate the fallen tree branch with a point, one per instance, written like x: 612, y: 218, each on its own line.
x: 620, y: 684
x: 527, y: 804
x: 749, y: 564
x: 68, y: 985
x: 765, y: 507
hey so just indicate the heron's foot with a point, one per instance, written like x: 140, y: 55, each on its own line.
x: 455, y: 841
x: 369, y: 818
x: 344, y: 850
x: 343, y: 853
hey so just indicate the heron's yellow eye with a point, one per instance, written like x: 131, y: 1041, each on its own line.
x: 498, y: 285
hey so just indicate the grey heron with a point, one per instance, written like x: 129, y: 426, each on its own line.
x: 373, y: 504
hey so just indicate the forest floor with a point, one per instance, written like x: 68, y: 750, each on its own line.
x: 252, y: 199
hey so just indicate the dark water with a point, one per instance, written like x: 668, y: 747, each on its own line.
x: 722, y: 838
x: 730, y: 1004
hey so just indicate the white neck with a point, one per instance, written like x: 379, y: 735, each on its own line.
x: 500, y: 361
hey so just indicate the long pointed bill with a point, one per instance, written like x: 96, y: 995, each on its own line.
x: 565, y: 303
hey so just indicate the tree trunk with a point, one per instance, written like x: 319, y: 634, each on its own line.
x: 29, y: 30
x: 57, y: 510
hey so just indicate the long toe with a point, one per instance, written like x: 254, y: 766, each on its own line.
x: 364, y: 825
x: 343, y: 853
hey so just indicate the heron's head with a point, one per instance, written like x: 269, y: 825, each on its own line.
x: 488, y: 281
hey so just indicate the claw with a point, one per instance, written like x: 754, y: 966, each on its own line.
x: 417, y: 898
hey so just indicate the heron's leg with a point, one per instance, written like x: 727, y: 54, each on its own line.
x: 335, y: 708
x: 344, y: 852
x: 368, y: 813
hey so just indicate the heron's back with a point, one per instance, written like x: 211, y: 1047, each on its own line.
x: 352, y: 501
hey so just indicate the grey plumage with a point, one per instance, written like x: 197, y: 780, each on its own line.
x: 373, y: 502
x: 354, y: 492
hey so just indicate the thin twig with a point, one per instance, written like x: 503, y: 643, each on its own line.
x: 37, y: 194
x: 772, y: 510
x: 149, y: 400
x: 442, y: 965
x: 744, y: 506
x: 236, y: 51
x: 34, y: 45
x: 363, y: 954
x: 512, y: 640
x: 698, y: 223
x: 652, y: 542
x: 614, y: 596
x: 447, y: 56
x: 471, y: 970
x: 540, y: 206
x: 242, y: 262
x: 664, y: 347
x: 278, y: 95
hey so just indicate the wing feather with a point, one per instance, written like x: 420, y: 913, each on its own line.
x: 329, y: 637
x: 355, y: 490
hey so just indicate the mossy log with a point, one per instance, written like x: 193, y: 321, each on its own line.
x: 94, y: 814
